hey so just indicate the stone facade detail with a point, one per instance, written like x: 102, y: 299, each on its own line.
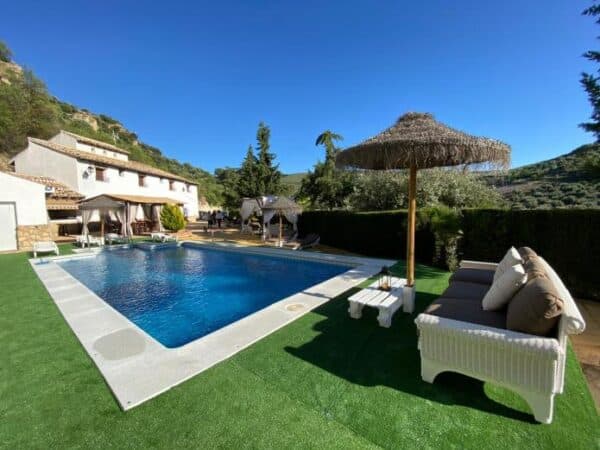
x: 28, y: 234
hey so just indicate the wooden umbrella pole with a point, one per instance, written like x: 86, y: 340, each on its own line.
x: 101, y: 223
x: 280, y: 228
x: 410, y: 235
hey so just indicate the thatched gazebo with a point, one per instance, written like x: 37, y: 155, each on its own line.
x: 282, y: 206
x: 418, y: 141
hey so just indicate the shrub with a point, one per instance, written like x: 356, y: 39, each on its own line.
x: 172, y: 218
x: 445, y: 224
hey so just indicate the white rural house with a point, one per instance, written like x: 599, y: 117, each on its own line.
x: 40, y: 199
x: 22, y: 212
x: 95, y: 168
x: 35, y: 209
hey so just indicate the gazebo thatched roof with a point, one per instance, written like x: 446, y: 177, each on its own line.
x: 282, y: 204
x: 418, y: 139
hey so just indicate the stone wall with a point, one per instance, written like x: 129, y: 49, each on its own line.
x: 28, y: 234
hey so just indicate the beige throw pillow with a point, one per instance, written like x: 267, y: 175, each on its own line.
x: 504, y: 288
x: 536, y: 308
x: 511, y: 258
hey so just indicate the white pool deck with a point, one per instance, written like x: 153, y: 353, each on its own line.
x: 137, y: 368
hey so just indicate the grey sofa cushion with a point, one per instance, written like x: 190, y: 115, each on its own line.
x: 467, y: 311
x: 466, y: 290
x: 536, y: 308
x: 480, y: 276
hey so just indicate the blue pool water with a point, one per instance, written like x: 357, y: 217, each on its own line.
x: 180, y: 294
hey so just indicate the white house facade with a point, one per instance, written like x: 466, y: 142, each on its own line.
x: 94, y: 168
x: 23, y: 213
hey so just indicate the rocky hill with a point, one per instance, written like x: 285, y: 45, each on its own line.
x: 27, y: 109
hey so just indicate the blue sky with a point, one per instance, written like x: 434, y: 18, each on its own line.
x: 195, y: 78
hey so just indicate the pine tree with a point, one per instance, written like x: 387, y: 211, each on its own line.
x: 267, y: 173
x: 229, y: 180
x: 591, y: 83
x: 248, y: 176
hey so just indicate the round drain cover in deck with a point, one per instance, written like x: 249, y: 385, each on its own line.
x: 120, y: 344
x: 294, y: 307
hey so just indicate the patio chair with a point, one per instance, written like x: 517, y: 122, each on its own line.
x: 45, y: 247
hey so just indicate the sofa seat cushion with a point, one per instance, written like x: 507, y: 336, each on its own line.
x: 466, y: 290
x: 536, y: 308
x: 466, y: 311
x: 480, y: 276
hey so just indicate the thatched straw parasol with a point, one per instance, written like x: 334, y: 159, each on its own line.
x: 280, y: 206
x: 418, y: 141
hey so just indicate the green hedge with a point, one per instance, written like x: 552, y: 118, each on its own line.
x: 381, y: 234
x: 566, y: 238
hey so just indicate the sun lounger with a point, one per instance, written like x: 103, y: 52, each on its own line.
x: 89, y: 240
x: 387, y: 302
x: 162, y: 237
x: 310, y: 240
x: 114, y: 237
x: 45, y: 247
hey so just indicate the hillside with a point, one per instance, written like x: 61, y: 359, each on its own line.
x: 571, y: 180
x: 27, y: 109
x: 292, y: 182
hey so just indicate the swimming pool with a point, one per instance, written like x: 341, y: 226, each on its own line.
x: 180, y: 294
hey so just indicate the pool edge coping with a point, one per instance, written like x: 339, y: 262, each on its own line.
x: 127, y: 377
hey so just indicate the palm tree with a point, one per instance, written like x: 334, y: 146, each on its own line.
x: 327, y: 138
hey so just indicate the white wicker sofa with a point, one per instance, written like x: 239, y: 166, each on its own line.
x: 482, y: 348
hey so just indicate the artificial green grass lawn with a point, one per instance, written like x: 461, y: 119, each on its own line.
x: 323, y: 381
